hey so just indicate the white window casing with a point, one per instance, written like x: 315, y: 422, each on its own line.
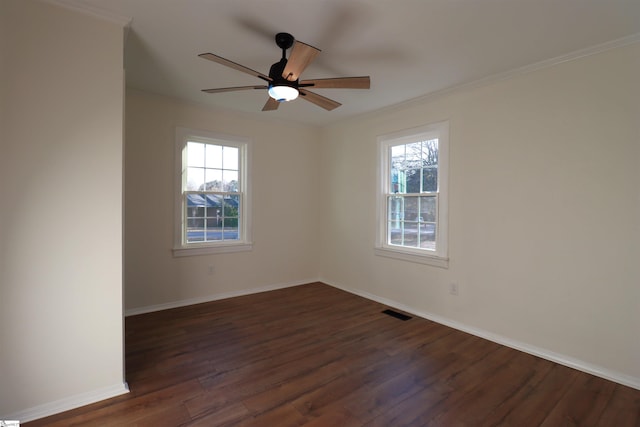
x: 243, y: 240
x: 434, y: 253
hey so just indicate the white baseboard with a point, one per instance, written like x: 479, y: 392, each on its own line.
x: 214, y: 297
x: 561, y: 359
x: 68, y: 403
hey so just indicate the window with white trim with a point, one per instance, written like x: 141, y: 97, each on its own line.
x: 212, y: 200
x: 412, y: 198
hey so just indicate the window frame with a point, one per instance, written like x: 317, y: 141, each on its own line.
x: 438, y: 257
x: 244, y: 242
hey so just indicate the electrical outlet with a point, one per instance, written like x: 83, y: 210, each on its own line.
x: 453, y: 288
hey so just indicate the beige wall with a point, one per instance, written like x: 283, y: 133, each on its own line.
x: 60, y: 210
x: 544, y: 209
x: 284, y: 176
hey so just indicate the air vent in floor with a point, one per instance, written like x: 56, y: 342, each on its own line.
x: 397, y: 315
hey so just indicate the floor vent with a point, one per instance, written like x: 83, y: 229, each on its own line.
x: 397, y: 315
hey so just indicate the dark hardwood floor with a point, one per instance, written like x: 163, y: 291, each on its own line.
x: 317, y: 356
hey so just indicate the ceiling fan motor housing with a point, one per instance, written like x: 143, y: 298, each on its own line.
x: 275, y: 73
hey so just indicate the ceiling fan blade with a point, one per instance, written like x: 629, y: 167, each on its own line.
x: 232, y: 89
x: 319, y: 100
x: 271, y: 105
x: 363, y: 82
x: 235, y: 66
x: 301, y: 56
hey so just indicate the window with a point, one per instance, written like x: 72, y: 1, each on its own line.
x: 212, y: 201
x: 412, y: 198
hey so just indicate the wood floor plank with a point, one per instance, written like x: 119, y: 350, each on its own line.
x: 583, y: 404
x: 331, y: 396
x: 530, y: 404
x: 340, y: 418
x: 408, y: 411
x: 472, y: 406
x: 172, y: 415
x: 282, y: 416
x: 623, y: 409
x: 221, y: 416
x: 286, y: 391
x: 314, y: 355
x: 244, y: 386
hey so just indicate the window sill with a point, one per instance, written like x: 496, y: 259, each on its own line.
x: 208, y: 250
x: 419, y: 258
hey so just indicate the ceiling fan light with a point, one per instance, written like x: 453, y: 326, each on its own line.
x: 283, y: 93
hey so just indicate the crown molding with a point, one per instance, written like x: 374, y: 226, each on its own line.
x: 571, y: 56
x: 547, y: 63
x: 85, y: 9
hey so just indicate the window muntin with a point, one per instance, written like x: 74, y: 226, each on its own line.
x: 212, y: 198
x: 413, y: 193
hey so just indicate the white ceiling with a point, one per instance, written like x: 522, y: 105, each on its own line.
x: 410, y: 48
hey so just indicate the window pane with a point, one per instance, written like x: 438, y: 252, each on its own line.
x: 430, y: 179
x: 214, y: 201
x: 230, y: 181
x: 411, y: 208
x: 195, y: 179
x: 231, y: 217
x: 414, y: 155
x: 396, y: 208
x: 195, y: 212
x: 230, y: 158
x: 214, y: 156
x: 195, y: 205
x: 398, y: 181
x: 428, y: 209
x: 413, y: 180
x: 195, y: 225
x: 231, y: 206
x: 410, y: 234
x: 195, y: 236
x: 216, y: 213
x: 230, y: 232
x: 214, y: 224
x: 214, y: 180
x: 195, y: 154
x: 195, y: 221
x: 213, y: 234
x: 398, y: 156
x: 395, y: 233
x: 428, y: 236
x: 430, y: 153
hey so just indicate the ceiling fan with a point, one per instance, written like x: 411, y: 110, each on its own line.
x: 283, y: 81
